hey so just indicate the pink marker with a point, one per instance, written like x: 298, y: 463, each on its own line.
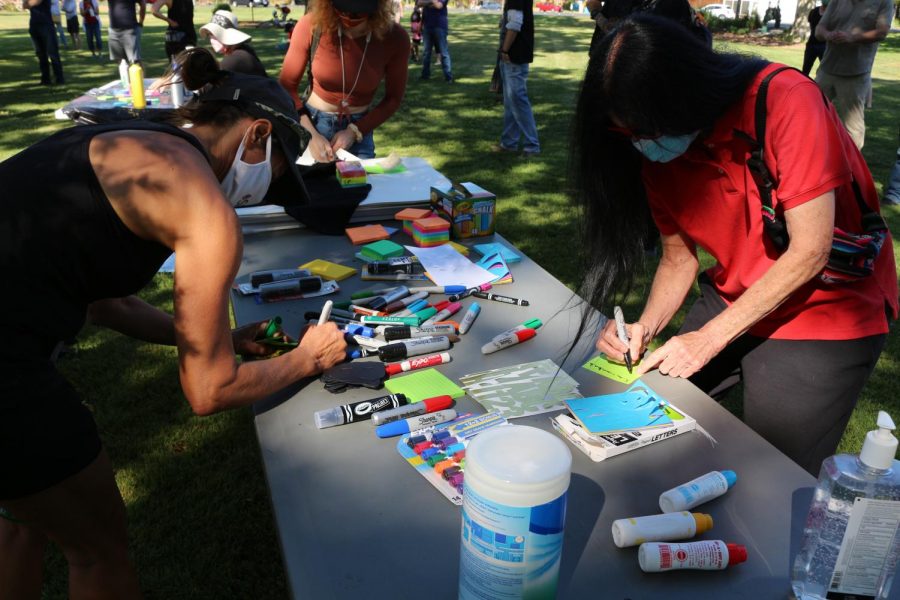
x: 450, y: 309
x: 420, y: 362
x: 481, y: 288
x: 510, y: 339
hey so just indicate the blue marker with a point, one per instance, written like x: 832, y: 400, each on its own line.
x: 418, y: 422
x: 359, y: 330
x: 469, y: 318
x: 440, y: 289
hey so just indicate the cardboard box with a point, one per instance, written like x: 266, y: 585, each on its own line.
x: 470, y: 209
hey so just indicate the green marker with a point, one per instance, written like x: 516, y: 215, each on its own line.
x: 343, y: 305
x: 413, y: 321
x: 426, y: 313
x: 273, y: 326
x: 529, y: 324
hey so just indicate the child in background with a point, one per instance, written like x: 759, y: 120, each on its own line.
x: 90, y: 12
x: 415, y: 26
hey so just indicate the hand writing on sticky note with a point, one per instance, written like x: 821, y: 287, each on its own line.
x: 609, y: 343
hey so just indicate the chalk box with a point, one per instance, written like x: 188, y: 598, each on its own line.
x: 470, y: 209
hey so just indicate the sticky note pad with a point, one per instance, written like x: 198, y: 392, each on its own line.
x: 328, y: 270
x: 412, y: 214
x: 366, y: 234
x: 603, y: 366
x: 464, y: 250
x: 426, y: 383
x: 381, y: 250
x: 508, y: 255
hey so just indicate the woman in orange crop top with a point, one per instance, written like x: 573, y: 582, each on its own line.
x: 359, y: 45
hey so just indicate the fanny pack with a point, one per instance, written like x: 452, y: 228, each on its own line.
x: 852, y: 255
x: 174, y: 36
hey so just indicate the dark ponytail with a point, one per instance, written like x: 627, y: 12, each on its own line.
x: 198, y: 68
x: 199, y: 71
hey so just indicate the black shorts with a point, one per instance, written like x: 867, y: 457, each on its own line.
x: 46, y: 433
x: 72, y: 25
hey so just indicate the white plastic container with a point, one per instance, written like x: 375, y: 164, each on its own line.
x: 709, y: 555
x: 513, y: 516
x: 697, y: 491
x: 659, y: 528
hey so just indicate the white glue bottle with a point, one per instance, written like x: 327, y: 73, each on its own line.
x: 123, y: 74
x: 513, y: 514
x: 850, y: 545
x: 697, y: 491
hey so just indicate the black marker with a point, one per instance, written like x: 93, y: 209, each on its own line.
x: 357, y: 411
x: 499, y: 298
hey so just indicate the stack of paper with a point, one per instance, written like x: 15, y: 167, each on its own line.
x: 268, y: 217
x: 521, y: 390
x: 496, y: 265
x: 639, y: 407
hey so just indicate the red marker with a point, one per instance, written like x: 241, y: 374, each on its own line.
x: 419, y: 362
x: 510, y: 339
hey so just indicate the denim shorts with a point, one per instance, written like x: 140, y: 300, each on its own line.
x: 327, y: 124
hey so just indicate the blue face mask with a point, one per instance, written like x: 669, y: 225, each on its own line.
x: 665, y: 147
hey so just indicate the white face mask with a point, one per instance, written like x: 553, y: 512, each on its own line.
x: 217, y: 46
x: 246, y: 184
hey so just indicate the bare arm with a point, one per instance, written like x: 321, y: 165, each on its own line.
x: 810, y: 226
x: 142, y: 12
x: 135, y: 318
x: 157, y: 11
x: 26, y: 4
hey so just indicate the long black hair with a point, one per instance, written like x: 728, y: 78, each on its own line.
x: 656, y: 79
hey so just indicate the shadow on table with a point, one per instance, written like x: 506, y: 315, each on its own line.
x: 580, y: 524
x: 282, y: 396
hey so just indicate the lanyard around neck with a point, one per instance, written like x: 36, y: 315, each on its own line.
x: 344, y: 94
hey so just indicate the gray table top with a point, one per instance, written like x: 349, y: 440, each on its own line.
x: 356, y: 521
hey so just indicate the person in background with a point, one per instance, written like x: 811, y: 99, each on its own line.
x: 57, y: 23
x: 234, y: 45
x: 814, y: 47
x: 891, y: 195
x: 852, y: 30
x: 138, y: 191
x: 357, y: 46
x: 397, y: 11
x: 179, y: 17
x: 516, y: 54
x: 43, y: 37
x: 70, y: 8
x: 90, y: 14
x: 125, y: 25
x: 415, y: 28
x: 436, y: 26
x: 659, y: 127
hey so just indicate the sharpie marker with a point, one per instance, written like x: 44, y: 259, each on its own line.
x: 499, y: 298
x: 379, y: 302
x: 413, y: 320
x: 419, y: 362
x: 428, y: 405
x: 258, y: 278
x: 440, y: 289
x: 448, y: 311
x: 364, y: 310
x: 529, y: 324
x: 357, y: 411
x: 425, y: 313
x: 481, y: 288
x: 508, y: 340
x: 402, y: 303
x: 412, y: 308
x: 367, y: 342
x: 326, y: 312
x: 415, y: 423
x: 413, y: 347
x: 469, y: 318
x: 404, y: 333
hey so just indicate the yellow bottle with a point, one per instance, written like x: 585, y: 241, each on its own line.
x: 136, y: 77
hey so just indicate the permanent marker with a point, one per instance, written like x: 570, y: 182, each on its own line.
x: 413, y: 308
x: 402, y: 303
x: 481, y: 288
x: 469, y: 318
x: 413, y: 347
x: 508, y: 340
x: 623, y: 335
x: 326, y: 312
x: 257, y: 278
x: 419, y: 362
x: 499, y: 298
x: 449, y: 310
x: 380, y: 302
x: 362, y: 330
x: 289, y: 287
x: 357, y: 411
x: 410, y: 410
x: 425, y: 313
x: 529, y: 324
x: 404, y: 333
x: 415, y: 423
x: 440, y: 289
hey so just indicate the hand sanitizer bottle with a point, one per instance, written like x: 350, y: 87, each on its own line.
x: 850, y: 546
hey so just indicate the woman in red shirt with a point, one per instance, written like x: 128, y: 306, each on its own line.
x: 663, y: 124
x: 358, y: 46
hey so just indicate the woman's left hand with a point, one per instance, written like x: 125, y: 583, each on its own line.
x: 683, y: 355
x: 245, y: 339
x: 342, y: 140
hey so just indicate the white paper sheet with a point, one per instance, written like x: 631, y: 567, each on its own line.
x: 446, y: 266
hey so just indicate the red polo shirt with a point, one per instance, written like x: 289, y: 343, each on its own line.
x: 709, y: 195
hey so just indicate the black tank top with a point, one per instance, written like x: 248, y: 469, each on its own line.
x: 182, y: 12
x: 62, y: 246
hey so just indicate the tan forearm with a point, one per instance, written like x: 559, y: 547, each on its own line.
x: 671, y: 284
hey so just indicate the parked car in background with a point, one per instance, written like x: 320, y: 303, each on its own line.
x: 548, y: 7
x: 719, y: 11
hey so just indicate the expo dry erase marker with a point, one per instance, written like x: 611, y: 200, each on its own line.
x: 289, y: 287
x: 623, y: 335
x: 404, y: 333
x: 326, y: 312
x: 413, y: 347
x: 410, y: 410
x: 357, y: 411
x: 420, y: 362
x: 499, y: 298
x: 449, y: 310
x: 469, y: 318
x: 415, y: 423
x: 402, y: 264
x: 440, y: 289
x: 257, y: 278
x: 508, y: 340
x: 404, y: 302
x: 379, y: 302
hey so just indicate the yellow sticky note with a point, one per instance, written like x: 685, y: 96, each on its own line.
x: 464, y: 250
x: 423, y: 384
x: 615, y: 371
x: 328, y: 270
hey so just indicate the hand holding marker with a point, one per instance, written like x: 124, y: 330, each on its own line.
x: 623, y: 335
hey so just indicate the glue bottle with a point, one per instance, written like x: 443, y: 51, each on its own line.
x: 857, y: 497
x: 123, y: 73
x: 513, y: 513
x: 176, y: 86
x: 136, y: 77
x: 708, y: 555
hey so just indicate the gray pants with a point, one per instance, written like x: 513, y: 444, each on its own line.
x: 849, y: 96
x: 798, y: 394
x: 124, y: 44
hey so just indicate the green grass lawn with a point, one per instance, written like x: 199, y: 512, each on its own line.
x: 199, y: 515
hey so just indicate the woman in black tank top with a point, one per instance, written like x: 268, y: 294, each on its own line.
x: 180, y: 19
x: 87, y: 217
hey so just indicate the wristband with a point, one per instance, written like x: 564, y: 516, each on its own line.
x: 356, y: 132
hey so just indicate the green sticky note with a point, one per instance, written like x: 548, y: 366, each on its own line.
x: 603, y: 366
x: 382, y: 249
x: 423, y: 384
x: 377, y: 169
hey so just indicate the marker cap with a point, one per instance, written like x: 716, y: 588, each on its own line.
x: 525, y: 334
x: 330, y: 417
x: 437, y: 403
